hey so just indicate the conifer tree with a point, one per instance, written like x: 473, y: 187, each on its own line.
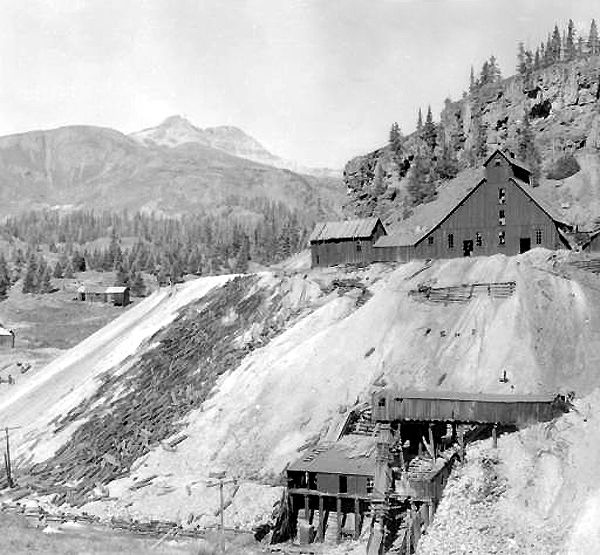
x: 138, y: 287
x: 421, y: 185
x: 521, y: 67
x: 555, y: 45
x: 593, y: 44
x: 419, y: 121
x: 69, y: 274
x: 429, y: 131
x: 472, y: 83
x: 45, y: 284
x: 5, y: 281
x: 570, y: 41
x: 30, y: 283
x: 58, y: 270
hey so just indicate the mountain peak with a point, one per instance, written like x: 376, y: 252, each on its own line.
x: 176, y: 120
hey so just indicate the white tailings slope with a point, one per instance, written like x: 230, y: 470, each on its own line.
x: 285, y: 394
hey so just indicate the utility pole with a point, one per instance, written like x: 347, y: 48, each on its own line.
x: 218, y: 479
x: 7, y: 462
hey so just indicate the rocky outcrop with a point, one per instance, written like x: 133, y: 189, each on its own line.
x: 561, y: 102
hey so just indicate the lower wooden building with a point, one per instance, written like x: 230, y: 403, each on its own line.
x: 345, y: 242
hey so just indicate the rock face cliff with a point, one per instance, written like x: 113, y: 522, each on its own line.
x: 561, y: 103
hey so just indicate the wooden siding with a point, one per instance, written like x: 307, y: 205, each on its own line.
x: 329, y: 483
x: 389, y: 407
x: 479, y: 213
x: 345, y: 251
x: 403, y: 253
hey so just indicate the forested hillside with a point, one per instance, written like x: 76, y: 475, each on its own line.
x: 547, y: 114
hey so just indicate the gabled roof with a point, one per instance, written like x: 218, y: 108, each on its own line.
x: 350, y: 229
x: 351, y: 455
x: 467, y: 396
x: 509, y: 158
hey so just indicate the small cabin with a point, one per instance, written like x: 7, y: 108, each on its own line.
x: 118, y: 295
x: 345, y: 242
x: 7, y: 338
x: 343, y: 468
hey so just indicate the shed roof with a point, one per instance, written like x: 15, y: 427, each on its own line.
x: 4, y: 331
x: 351, y: 455
x: 349, y: 229
x: 116, y: 289
x: 468, y: 396
x: 396, y: 240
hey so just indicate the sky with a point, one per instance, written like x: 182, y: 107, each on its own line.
x: 317, y: 81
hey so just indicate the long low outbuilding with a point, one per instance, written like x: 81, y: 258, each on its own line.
x: 391, y: 405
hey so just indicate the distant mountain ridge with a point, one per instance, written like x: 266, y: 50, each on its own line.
x: 100, y: 168
x: 177, y: 130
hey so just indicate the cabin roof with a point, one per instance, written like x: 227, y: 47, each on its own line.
x: 467, y: 396
x: 349, y: 229
x: 116, y: 289
x: 351, y: 455
x: 4, y: 331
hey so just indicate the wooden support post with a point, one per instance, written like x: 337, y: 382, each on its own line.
x: 401, y: 448
x: 461, y: 444
x: 494, y: 437
x: 430, y: 510
x: 8, y: 463
x: 431, y: 442
x: 357, y: 518
x: 321, y: 530
x: 306, y: 509
x: 339, y: 518
x: 414, y: 516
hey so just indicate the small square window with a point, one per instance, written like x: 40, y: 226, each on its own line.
x: 501, y: 217
x: 501, y: 238
x: 450, y: 240
x: 358, y: 247
x: 343, y: 484
x: 538, y: 236
x: 501, y: 195
x: 370, y: 485
x: 478, y: 240
x: 430, y: 240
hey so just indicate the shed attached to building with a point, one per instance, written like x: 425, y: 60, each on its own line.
x: 345, y: 242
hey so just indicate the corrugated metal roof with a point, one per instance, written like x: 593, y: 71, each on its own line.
x: 351, y: 455
x: 350, y: 229
x: 468, y: 396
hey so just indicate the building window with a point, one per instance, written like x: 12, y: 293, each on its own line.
x: 538, y: 236
x: 381, y: 402
x: 343, y: 484
x: 501, y: 217
x: 501, y: 195
x: 478, y: 239
x: 450, y: 240
x: 501, y: 238
x: 370, y: 485
x: 430, y: 240
x: 358, y: 246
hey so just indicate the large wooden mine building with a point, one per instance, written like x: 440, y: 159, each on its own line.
x: 502, y: 214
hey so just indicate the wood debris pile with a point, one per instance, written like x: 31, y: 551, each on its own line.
x: 134, y: 411
x: 465, y: 292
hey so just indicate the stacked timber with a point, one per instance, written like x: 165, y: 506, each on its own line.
x: 592, y: 265
x: 143, y: 408
x: 464, y: 293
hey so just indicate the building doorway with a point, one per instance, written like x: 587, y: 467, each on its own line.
x: 524, y: 244
x: 467, y: 247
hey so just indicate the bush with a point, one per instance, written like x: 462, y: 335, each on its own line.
x: 564, y: 167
